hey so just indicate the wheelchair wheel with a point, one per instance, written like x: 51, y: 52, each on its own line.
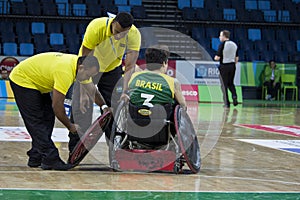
x: 187, y: 139
x: 89, y: 139
x: 119, y: 128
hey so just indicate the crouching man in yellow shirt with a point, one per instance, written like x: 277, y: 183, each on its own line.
x: 32, y: 80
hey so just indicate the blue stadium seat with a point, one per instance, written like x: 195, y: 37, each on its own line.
x: 6, y: 26
x: 34, y: 9
x: 56, y: 39
x: 4, y: 7
x: 81, y: 28
x: 270, y: 15
x: 62, y: 7
x: 256, y: 16
x: 264, y: 5
x: 121, y: 2
x: 135, y: 2
x: 79, y: 10
x: 298, y: 45
x: 229, y: 14
x: 251, y: 4
x: 254, y: 34
x: 10, y: 49
x: 283, y: 16
x: 183, y: 3
x: 124, y: 8
x: 37, y: 27
x: 215, y: 42
x: 267, y: 55
x: 197, y: 3
x: 139, y: 12
x: 16, y: 1
x: 26, y: 49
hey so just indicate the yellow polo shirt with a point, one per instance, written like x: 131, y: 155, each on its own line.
x: 109, y: 51
x: 46, y: 71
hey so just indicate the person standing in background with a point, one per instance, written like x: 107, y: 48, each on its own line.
x: 227, y: 54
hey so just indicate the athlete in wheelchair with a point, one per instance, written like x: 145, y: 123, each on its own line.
x: 151, y: 130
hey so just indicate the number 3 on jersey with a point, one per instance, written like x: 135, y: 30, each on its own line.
x: 148, y: 97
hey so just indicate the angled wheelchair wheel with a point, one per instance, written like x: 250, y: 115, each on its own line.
x: 119, y: 129
x: 89, y: 139
x: 187, y: 139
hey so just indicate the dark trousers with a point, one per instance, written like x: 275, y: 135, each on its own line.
x: 271, y: 89
x: 109, y: 84
x: 227, y: 73
x: 38, y: 116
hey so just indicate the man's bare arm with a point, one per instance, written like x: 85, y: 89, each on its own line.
x: 59, y: 110
x: 178, y: 94
x: 130, y: 61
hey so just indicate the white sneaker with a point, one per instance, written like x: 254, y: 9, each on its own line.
x: 268, y: 97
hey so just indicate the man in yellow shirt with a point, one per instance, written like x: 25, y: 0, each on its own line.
x: 109, y: 39
x: 32, y: 80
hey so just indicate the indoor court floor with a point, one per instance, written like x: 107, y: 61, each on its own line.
x: 251, y: 151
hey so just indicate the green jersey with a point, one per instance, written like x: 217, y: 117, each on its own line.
x: 149, y: 88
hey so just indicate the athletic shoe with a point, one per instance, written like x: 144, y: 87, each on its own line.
x: 34, y: 162
x: 58, y: 165
x: 268, y: 97
x: 235, y: 102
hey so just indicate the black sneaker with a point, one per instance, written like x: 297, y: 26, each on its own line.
x: 235, y: 102
x: 34, y: 162
x: 58, y: 165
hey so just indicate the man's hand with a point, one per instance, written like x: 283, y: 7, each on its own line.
x: 124, y: 97
x: 73, y: 129
x: 85, y: 102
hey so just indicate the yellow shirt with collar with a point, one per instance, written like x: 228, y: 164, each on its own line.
x: 46, y: 71
x: 109, y: 51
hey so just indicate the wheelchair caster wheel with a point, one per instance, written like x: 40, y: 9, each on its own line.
x: 115, y: 165
x: 177, y: 167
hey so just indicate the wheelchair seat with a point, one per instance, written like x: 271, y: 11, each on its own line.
x: 150, y: 125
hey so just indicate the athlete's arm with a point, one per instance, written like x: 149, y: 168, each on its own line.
x: 178, y: 94
x: 130, y: 61
x: 86, y: 51
x: 59, y: 110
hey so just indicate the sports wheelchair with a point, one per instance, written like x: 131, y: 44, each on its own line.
x: 160, y: 138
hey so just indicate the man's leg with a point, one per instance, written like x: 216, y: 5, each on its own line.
x: 107, y: 88
x: 83, y: 120
x: 224, y: 82
x: 34, y: 108
x: 231, y: 85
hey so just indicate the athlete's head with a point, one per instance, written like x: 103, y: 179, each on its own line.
x: 87, y: 67
x: 157, y: 57
x: 121, y: 25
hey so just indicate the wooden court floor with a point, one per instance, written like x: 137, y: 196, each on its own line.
x: 235, y: 159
